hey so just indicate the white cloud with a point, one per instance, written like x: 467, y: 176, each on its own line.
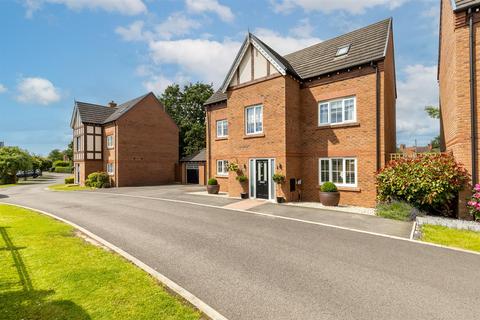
x: 158, y: 83
x: 303, y: 29
x: 209, y: 60
x: 417, y: 90
x: 285, y: 44
x: 127, y: 7
x: 176, y: 24
x: 2, y: 88
x: 200, y: 6
x: 327, y: 6
x: 133, y: 32
x: 38, y: 91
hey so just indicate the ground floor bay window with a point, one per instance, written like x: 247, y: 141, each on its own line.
x: 341, y: 171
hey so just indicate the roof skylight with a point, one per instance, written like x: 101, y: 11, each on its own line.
x: 343, y: 50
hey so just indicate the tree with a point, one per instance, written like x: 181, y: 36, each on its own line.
x: 12, y: 160
x: 55, y: 155
x: 185, y: 106
x: 433, y: 112
x: 69, y: 151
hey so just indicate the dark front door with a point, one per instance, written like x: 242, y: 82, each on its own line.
x: 262, y: 179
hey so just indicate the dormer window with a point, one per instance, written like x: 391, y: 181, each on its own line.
x: 342, y: 51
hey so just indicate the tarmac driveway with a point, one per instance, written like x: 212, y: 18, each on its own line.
x: 250, y: 266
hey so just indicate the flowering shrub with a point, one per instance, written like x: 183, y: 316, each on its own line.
x: 429, y: 182
x: 474, y: 203
x: 233, y: 167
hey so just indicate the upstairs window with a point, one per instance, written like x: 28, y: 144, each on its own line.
x: 337, y: 111
x: 254, y: 120
x: 342, y: 51
x: 222, y: 129
x: 78, y: 144
x: 110, y: 142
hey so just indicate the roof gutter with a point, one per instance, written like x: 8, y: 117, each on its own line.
x: 473, y: 117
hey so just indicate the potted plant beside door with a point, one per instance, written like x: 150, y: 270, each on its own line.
x: 329, y: 195
x: 279, y: 179
x: 243, y: 181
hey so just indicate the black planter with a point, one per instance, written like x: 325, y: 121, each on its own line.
x: 244, y: 195
x: 280, y: 199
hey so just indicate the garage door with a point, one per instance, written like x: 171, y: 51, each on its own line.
x: 192, y: 172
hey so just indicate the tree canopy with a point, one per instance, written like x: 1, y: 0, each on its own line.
x: 12, y: 160
x: 185, y: 106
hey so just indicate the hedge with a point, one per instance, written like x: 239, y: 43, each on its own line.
x: 60, y: 163
x: 63, y: 169
x: 98, y: 180
x: 70, y: 180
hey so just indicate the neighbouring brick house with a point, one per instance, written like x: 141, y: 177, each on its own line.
x: 458, y: 76
x: 324, y: 113
x: 136, y: 142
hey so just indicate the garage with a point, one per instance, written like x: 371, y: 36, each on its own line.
x: 193, y: 168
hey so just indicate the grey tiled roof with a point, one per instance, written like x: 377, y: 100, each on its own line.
x: 465, y: 4
x: 124, y: 107
x: 366, y: 44
x: 99, y: 114
x: 200, y: 157
x: 217, y: 97
x: 93, y: 113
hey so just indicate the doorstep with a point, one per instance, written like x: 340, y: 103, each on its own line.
x: 349, y: 209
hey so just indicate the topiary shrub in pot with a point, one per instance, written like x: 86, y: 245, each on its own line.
x: 212, y: 186
x: 243, y: 181
x: 279, y: 179
x: 329, y: 195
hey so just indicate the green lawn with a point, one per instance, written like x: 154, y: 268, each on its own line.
x: 7, y: 185
x: 68, y: 187
x: 49, y: 273
x: 463, y: 239
x: 395, y: 210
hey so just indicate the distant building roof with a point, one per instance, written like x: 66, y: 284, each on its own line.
x: 197, y: 157
x: 364, y: 45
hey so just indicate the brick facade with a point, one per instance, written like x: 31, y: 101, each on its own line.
x: 454, y: 84
x: 291, y: 134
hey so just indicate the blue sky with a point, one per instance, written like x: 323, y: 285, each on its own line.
x: 56, y: 51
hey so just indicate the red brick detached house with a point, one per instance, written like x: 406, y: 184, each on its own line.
x: 324, y: 113
x: 458, y: 76
x: 135, y: 142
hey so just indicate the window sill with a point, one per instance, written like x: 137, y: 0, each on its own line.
x: 221, y: 138
x: 340, y: 125
x: 253, y: 136
x: 349, y: 189
x: 221, y: 176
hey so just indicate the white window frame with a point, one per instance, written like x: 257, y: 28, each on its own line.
x: 350, y: 185
x: 112, y: 171
x: 111, y: 143
x: 343, y: 50
x: 224, y: 171
x: 222, y: 128
x: 254, y: 120
x: 329, y: 103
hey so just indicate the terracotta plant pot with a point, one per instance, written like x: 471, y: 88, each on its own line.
x: 213, y: 189
x: 329, y: 199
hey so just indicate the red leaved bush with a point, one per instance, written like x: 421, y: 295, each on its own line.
x: 429, y: 182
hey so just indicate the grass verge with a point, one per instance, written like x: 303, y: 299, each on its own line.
x: 463, y: 239
x: 68, y: 187
x: 395, y: 210
x: 49, y: 273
